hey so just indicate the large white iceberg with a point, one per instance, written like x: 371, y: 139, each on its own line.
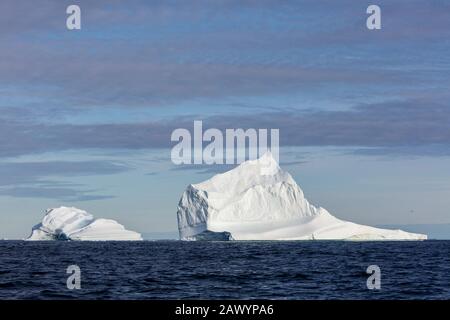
x: 259, y: 201
x: 66, y: 223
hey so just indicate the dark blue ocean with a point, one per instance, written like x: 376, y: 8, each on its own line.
x: 224, y: 270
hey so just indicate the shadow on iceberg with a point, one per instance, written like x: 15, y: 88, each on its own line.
x: 212, y: 236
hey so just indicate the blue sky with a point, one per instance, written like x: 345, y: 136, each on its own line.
x: 86, y: 116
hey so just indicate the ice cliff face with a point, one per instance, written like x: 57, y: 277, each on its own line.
x: 74, y: 224
x: 259, y: 201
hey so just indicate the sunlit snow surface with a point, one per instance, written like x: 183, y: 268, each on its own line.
x: 259, y: 201
x: 74, y: 224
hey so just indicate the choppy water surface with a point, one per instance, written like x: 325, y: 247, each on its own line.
x: 225, y: 270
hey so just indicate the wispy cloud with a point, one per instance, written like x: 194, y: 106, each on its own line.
x: 154, y: 54
x: 43, y: 179
x: 58, y: 193
x: 387, y: 124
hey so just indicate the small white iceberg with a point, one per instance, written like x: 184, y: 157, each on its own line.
x: 69, y: 223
